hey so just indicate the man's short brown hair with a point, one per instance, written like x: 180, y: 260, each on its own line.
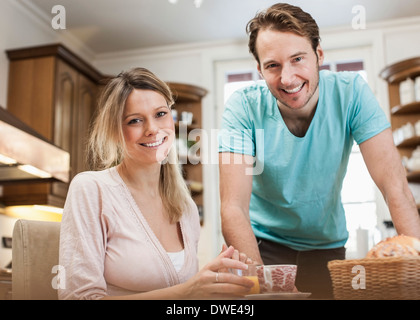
x: 286, y: 18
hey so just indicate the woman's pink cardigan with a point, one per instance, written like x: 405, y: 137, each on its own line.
x: 108, y: 248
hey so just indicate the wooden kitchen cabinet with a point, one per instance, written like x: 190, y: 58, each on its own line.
x: 54, y: 92
x: 188, y: 98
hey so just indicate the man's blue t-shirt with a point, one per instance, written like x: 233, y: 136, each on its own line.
x: 296, y: 191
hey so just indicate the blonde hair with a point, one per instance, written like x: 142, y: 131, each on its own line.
x: 106, y: 145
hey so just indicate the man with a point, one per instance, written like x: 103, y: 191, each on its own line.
x: 291, y: 212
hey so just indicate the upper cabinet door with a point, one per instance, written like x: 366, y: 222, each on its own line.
x: 54, y: 92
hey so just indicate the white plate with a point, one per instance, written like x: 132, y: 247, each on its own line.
x: 278, y: 296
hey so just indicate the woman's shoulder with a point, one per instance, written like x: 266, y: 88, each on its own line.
x: 95, y: 178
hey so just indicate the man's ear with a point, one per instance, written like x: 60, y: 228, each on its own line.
x: 259, y: 70
x: 320, y: 54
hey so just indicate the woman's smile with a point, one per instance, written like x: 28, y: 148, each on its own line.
x: 154, y: 144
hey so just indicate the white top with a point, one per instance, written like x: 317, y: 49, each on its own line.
x: 177, y: 259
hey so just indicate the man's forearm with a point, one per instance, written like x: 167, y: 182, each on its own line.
x: 384, y: 164
x: 404, y: 213
x: 237, y: 232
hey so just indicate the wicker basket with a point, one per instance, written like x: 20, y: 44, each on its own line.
x: 393, y: 278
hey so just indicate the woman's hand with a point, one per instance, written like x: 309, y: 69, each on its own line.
x: 214, y: 281
x: 238, y: 255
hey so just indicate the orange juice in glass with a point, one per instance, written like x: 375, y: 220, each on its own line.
x: 251, y: 274
x: 256, y: 288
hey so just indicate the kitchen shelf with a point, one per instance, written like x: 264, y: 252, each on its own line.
x: 190, y: 127
x: 188, y: 158
x: 188, y: 98
x: 409, y: 143
x: 400, y: 114
x: 413, y: 176
x: 400, y: 71
x: 410, y: 108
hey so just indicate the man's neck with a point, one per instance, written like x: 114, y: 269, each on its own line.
x: 299, y: 120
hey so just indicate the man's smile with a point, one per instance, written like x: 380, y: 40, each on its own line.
x: 294, y: 90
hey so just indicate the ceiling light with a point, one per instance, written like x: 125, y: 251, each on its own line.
x: 34, y: 171
x: 197, y: 3
x: 7, y: 160
x: 21, y: 145
x: 48, y: 209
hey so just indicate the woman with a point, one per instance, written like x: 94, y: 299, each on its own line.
x: 130, y: 229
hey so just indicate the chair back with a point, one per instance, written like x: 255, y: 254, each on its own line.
x: 35, y: 260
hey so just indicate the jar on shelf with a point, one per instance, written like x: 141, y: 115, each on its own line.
x: 407, y: 92
x: 417, y: 88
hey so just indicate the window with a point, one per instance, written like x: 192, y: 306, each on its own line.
x: 235, y: 81
x: 359, y: 201
x: 355, y: 65
x: 358, y: 193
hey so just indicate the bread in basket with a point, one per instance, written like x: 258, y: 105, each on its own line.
x: 391, y: 270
